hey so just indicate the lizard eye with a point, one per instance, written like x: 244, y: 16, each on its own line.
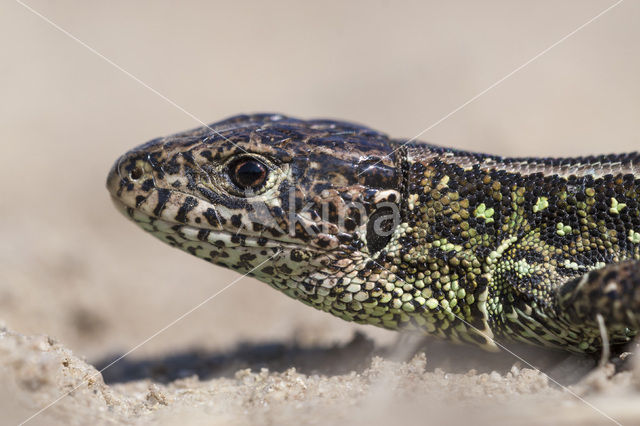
x: 248, y: 173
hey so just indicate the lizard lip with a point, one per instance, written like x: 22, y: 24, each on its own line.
x: 161, y: 227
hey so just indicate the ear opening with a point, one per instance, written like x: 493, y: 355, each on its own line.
x: 380, y: 227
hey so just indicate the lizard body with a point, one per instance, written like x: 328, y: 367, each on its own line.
x: 466, y: 246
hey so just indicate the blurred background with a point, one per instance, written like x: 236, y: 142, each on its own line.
x: 73, y: 268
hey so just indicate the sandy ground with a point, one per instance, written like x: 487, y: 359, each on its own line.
x: 73, y: 269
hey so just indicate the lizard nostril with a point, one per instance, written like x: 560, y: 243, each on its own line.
x: 136, y: 173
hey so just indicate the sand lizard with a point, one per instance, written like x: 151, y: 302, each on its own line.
x: 466, y: 246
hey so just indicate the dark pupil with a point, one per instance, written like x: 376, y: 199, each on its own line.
x: 250, y: 174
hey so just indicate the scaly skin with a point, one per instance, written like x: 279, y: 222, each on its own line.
x: 483, y: 248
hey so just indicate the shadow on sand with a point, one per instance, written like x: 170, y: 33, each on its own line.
x: 354, y: 355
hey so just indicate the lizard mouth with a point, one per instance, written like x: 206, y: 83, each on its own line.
x: 178, y: 234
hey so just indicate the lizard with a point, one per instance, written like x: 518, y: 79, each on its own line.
x: 465, y: 246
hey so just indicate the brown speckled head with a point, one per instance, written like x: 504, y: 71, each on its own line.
x: 248, y: 188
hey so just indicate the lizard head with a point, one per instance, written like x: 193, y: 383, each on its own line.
x: 303, y: 200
